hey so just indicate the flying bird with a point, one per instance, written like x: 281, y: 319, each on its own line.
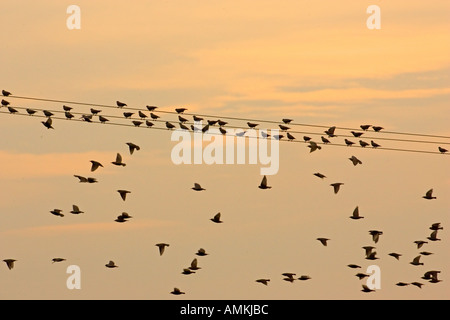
x: 436, y: 226
x: 187, y: 271
x: 313, y: 146
x: 263, y: 281
x: 201, y: 252
x: 123, y: 194
x: 121, y: 104
x: 429, y: 195
x: 177, y: 291
x: 31, y: 111
x: 361, y: 275
x: 355, y: 160
x: 433, y: 236
x: 194, y: 265
x: 304, y: 277
x: 48, y: 123
x: 58, y: 260
x: 353, y: 266
x: 318, y: 174
x: 323, y: 241
x: 162, y: 247
x: 85, y: 180
x: 432, y: 276
x: 420, y: 243
x: 372, y: 256
x: 416, y: 261
x: 222, y: 123
x: 216, y: 218
x: 263, y: 184
x: 76, y: 210
x: 95, y: 165
x: 417, y: 284
x: 330, y: 131
x: 367, y: 289
x: 57, y: 212
x: 111, y: 264
x: 395, y: 255
x: 197, y: 187
x: 336, y: 186
x: 402, y: 284
x: 10, y: 263
x: 123, y: 217
x: 355, y: 215
x: 375, y: 235
x: 133, y: 147
x: 118, y: 161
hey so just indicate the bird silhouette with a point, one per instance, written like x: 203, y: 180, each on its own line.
x: 76, y: 210
x: 201, y: 252
x: 194, y: 265
x: 187, y: 271
x: 252, y: 125
x: 30, y: 111
x: 6, y: 93
x: 374, y: 144
x: 348, y: 142
x: 283, y: 128
x: 142, y: 115
x: 324, y: 241
x: 111, y: 264
x: 57, y: 212
x: 48, y: 123
x: 95, y: 111
x: 436, y: 226
x: 169, y: 125
x: 161, y: 247
x: 121, y: 104
x: 313, y: 146
x: 137, y: 123
x: 416, y: 261
x: 336, y: 186
x: 151, y: 108
x: 417, y: 284
x: 304, y: 278
x: 58, y: 260
x: 128, y: 115
x: 318, y: 174
x: 180, y: 110
x: 377, y: 128
x: 355, y: 215
x: 290, y: 136
x: 123, y: 194
x: 154, y: 116
x: 330, y: 132
x: 325, y: 140
x: 287, y: 121
x: 433, y: 236
x: 366, y: 289
x: 85, y: 180
x: 133, y: 147
x: 68, y: 115
x: 263, y: 184
x: 95, y: 165
x: 365, y: 126
x: 118, y: 161
x: 197, y: 187
x: 102, y: 119
x: 216, y: 218
x: 12, y: 110
x: 67, y: 108
x: 177, y: 291
x: 363, y: 143
x: 375, y: 235
x: 355, y: 160
x: 196, y: 118
x: 263, y: 281
x: 429, y: 195
x: 420, y: 243
x: 442, y: 150
x: 357, y: 134
x: 5, y: 102
x: 395, y: 255
x: 148, y: 123
x: 10, y: 263
x: 123, y: 217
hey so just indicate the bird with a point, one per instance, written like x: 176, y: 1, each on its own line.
x: 121, y: 104
x: 123, y: 217
x: 426, y: 253
x: 252, y: 125
x: 366, y: 289
x: 287, y: 121
x: 142, y: 115
x: 102, y: 119
x: 416, y: 261
x: 264, y: 134
x: 289, y: 279
x: 357, y: 134
x: 290, y: 136
x: 194, y: 265
x: 375, y: 235
x: 85, y: 180
x: 417, y: 284
x: 133, y: 147
x: 201, y: 252
x: 31, y: 111
x: 355, y: 160
x: 395, y: 255
x: 154, y: 116
x: 263, y: 281
x: 12, y: 110
x: 240, y: 134
x: 324, y: 241
x: 48, y: 123
x: 436, y: 226
x: 10, y: 263
x: 278, y: 136
x: 212, y: 122
x: 196, y: 118
x: 368, y: 250
x: 222, y: 123
x: 123, y: 194
x: 420, y: 243
x: 222, y: 130
x: 181, y: 119
x: 336, y: 186
x: 151, y: 108
x: 76, y: 210
x: 361, y: 275
x: 304, y: 277
x: 377, y: 128
x: 363, y: 143
x: 353, y: 266
x: 325, y: 140
x: 137, y: 123
x: 169, y: 125
x: 442, y: 150
x: 180, y: 110
x: 162, y: 247
x: 111, y: 264
x: 313, y: 146
x: 283, y: 128
x: 118, y: 161
x: 47, y: 113
x: 95, y: 111
x: 289, y: 275
x: 402, y: 284
x: 365, y: 126
x: 374, y: 144
x: 177, y: 291
x: 372, y: 256
x: 183, y: 127
x: 205, y: 128
x: 187, y: 271
x: 433, y: 236
x: 197, y: 187
x: 148, y: 123
x: 355, y: 215
x: 216, y: 218
x: 128, y: 115
x: 4, y: 102
x: 263, y: 184
x: 67, y: 108
x: 320, y: 175
x: 86, y: 117
x: 95, y: 165
x: 57, y: 212
x: 68, y: 115
x: 58, y: 260
x: 306, y: 138
x: 6, y: 93
x: 330, y: 131
x: 429, y: 195
x: 348, y: 142
x: 432, y: 276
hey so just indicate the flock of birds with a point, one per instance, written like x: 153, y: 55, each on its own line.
x: 432, y: 276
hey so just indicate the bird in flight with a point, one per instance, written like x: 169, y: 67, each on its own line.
x: 85, y: 180
x: 355, y: 160
x: 111, y: 264
x: 95, y: 165
x: 76, y: 210
x: 395, y: 255
x: 201, y: 252
x: 313, y: 146
x: 433, y: 236
x: 10, y: 263
x: 57, y: 212
x: 123, y: 217
x: 367, y: 289
x: 416, y: 261
x: 133, y: 147
x: 429, y: 195
x: 436, y: 226
x: 58, y: 260
x: 161, y: 247
x: 216, y: 218
x: 197, y: 187
x: 355, y: 215
x: 118, y: 161
x: 336, y: 186
x: 263, y: 184
x: 318, y: 174
x: 330, y: 131
x: 177, y: 291
x: 304, y: 277
x: 187, y: 271
x: 48, y: 123
x: 194, y: 265
x: 420, y: 243
x: 375, y: 235
x: 323, y: 241
x: 123, y: 194
x: 263, y: 281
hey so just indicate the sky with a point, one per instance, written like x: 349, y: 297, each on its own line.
x: 317, y: 63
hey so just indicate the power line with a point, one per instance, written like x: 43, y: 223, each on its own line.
x: 220, y: 117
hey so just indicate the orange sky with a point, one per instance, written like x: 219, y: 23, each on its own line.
x: 314, y: 62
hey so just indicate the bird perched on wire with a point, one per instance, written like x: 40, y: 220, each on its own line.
x: 180, y: 110
x: 121, y: 104
x: 6, y: 93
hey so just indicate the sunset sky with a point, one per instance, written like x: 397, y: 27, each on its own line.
x: 314, y: 62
